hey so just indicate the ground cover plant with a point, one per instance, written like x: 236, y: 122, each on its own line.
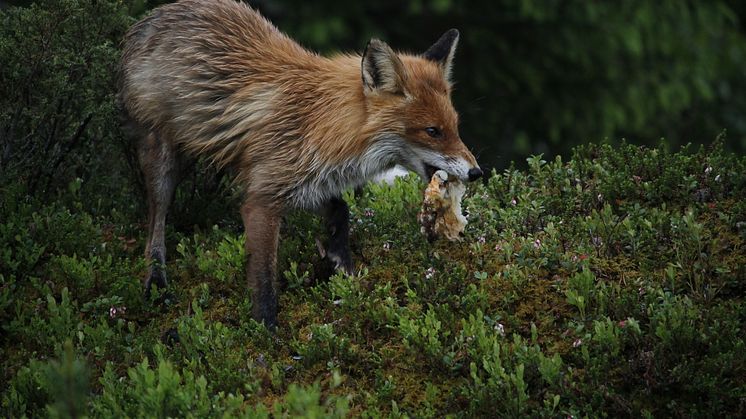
x: 610, y: 284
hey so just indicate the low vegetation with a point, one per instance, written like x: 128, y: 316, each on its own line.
x: 611, y: 284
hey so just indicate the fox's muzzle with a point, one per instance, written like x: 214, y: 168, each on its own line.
x: 474, y: 174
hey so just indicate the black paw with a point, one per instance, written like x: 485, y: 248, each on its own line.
x: 153, y: 279
x: 269, y: 320
x: 157, y: 279
x: 265, y: 309
x: 342, y: 261
x: 170, y: 337
x: 338, y: 255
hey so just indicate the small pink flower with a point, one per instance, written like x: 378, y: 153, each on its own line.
x: 429, y: 273
x: 482, y: 240
x: 622, y: 323
x: 537, y: 243
x: 577, y: 343
x: 369, y: 212
x: 498, y: 248
x: 513, y: 201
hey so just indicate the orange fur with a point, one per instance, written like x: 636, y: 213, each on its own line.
x: 220, y: 81
x: 214, y: 79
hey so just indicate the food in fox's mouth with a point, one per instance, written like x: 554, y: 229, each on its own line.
x: 441, y: 208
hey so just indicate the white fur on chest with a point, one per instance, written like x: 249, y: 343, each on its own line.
x: 331, y: 181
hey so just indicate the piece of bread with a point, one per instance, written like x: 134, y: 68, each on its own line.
x: 441, y: 208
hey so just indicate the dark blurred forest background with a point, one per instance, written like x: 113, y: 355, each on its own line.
x: 533, y: 76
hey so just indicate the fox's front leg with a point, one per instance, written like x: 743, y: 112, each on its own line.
x: 337, y: 217
x: 262, y: 224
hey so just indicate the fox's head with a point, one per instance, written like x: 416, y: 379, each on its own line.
x: 408, y: 98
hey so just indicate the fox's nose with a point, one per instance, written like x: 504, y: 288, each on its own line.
x: 474, y: 174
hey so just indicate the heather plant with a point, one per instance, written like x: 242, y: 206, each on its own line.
x: 625, y: 306
x: 610, y: 283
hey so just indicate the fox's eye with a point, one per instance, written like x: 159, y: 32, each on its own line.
x: 433, y: 132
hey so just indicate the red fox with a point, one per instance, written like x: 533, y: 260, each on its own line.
x: 215, y: 79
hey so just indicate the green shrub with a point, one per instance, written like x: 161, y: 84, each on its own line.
x: 57, y: 109
x: 623, y: 306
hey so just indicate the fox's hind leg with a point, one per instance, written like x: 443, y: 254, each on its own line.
x: 160, y: 167
x: 337, y: 220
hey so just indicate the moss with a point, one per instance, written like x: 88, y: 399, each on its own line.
x: 427, y: 329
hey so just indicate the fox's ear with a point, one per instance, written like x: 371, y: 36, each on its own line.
x: 443, y: 50
x: 382, y: 69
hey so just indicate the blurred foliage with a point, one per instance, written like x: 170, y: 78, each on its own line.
x: 58, y: 120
